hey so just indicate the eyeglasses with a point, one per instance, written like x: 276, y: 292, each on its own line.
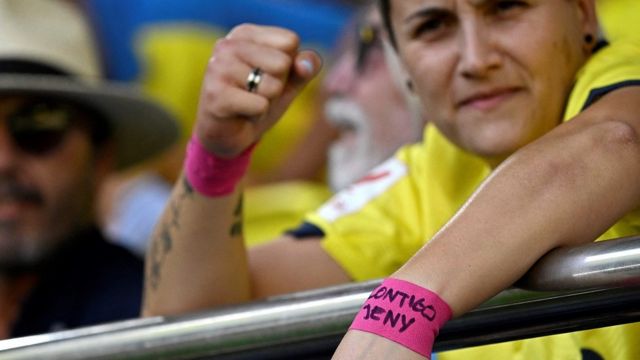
x: 368, y: 39
x: 39, y: 127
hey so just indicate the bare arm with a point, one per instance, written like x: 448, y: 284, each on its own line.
x: 197, y: 258
x: 189, y: 269
x: 566, y: 188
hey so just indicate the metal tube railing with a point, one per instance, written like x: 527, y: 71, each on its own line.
x: 602, y: 264
x: 310, y: 324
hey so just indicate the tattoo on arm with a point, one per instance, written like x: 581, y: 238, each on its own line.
x: 162, y: 239
x: 237, y: 225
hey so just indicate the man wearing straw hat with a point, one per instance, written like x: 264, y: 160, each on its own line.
x: 61, y: 132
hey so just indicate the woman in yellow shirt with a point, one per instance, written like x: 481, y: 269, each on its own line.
x: 497, y: 79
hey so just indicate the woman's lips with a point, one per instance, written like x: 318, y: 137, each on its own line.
x: 487, y: 100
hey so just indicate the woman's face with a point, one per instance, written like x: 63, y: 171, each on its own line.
x: 493, y: 75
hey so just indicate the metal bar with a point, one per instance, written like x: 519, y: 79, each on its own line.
x: 310, y: 324
x: 601, y: 264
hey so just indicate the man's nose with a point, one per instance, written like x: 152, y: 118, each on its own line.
x: 341, y: 75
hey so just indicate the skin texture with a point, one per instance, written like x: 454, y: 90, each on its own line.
x: 488, y: 74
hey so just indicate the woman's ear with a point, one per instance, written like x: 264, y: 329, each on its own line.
x: 409, y: 85
x: 396, y: 68
x: 589, y: 20
x: 404, y: 82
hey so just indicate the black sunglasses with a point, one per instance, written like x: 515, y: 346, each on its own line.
x: 39, y: 126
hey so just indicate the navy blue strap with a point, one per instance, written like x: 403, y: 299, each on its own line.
x: 306, y: 230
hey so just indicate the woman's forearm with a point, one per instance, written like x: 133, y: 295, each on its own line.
x: 196, y: 258
x: 566, y: 188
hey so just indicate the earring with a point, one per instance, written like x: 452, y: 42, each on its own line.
x: 409, y: 84
x: 588, y: 38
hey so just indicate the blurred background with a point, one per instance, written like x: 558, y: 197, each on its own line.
x: 164, y: 45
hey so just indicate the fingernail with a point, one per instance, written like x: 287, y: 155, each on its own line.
x: 307, y: 65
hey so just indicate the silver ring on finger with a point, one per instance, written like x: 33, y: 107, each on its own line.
x: 254, y: 79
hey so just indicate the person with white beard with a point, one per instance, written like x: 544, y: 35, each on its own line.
x: 365, y: 91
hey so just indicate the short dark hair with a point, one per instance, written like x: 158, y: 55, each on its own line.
x: 385, y: 11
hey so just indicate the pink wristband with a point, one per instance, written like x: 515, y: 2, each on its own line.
x: 405, y: 313
x: 211, y: 175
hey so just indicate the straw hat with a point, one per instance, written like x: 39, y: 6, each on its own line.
x: 46, y: 48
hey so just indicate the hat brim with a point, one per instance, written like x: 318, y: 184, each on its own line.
x: 141, y: 128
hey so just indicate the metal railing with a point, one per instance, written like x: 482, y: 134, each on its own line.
x: 569, y: 289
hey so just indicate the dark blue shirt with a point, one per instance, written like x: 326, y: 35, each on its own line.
x: 86, y: 282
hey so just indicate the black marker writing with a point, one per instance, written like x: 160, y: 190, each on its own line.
x: 389, y: 317
x: 415, y: 304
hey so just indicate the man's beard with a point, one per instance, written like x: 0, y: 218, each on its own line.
x: 349, y: 160
x: 19, y: 253
x: 20, y: 250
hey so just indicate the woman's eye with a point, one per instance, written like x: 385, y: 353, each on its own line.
x: 508, y: 5
x: 431, y: 27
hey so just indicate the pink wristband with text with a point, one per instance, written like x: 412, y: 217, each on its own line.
x: 405, y: 313
x: 211, y: 175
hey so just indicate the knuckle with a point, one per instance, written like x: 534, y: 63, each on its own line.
x: 218, y: 66
x: 262, y: 105
x: 220, y: 107
x: 220, y: 45
x: 212, y: 87
x: 213, y: 64
x: 257, y: 105
x: 241, y: 30
x: 291, y: 39
x: 274, y: 88
x: 223, y: 45
x: 284, y: 63
x: 221, y: 59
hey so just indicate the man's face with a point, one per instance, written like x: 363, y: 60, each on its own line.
x: 367, y: 107
x: 493, y: 75
x: 47, y: 177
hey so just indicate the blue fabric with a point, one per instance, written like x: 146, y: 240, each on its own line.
x: 596, y: 94
x: 117, y: 22
x: 306, y: 230
x: 137, y: 212
x: 89, y: 281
